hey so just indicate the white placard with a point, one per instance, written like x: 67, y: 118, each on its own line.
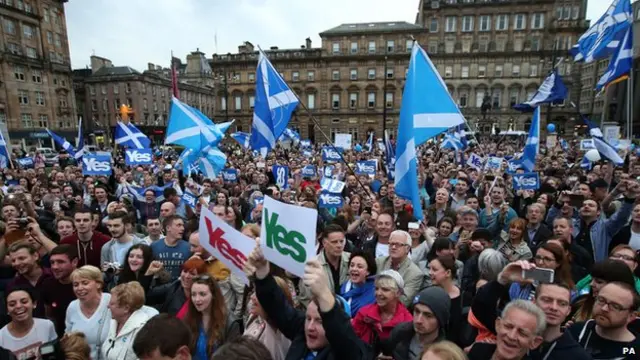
x: 587, y: 144
x: 225, y: 243
x: 343, y: 141
x: 288, y: 235
x: 611, y: 134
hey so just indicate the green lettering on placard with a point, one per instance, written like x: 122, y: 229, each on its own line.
x: 287, y: 243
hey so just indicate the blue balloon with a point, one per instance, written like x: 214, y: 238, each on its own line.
x: 358, y: 148
x: 551, y: 128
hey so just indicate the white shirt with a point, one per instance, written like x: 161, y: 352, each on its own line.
x: 28, y: 346
x: 634, y: 240
x: 95, y: 328
x: 382, y: 250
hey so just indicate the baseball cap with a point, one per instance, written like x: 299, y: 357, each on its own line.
x: 395, y: 276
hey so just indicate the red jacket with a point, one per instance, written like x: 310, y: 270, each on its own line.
x: 368, y: 326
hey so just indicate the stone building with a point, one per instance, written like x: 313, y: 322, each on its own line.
x: 35, y: 72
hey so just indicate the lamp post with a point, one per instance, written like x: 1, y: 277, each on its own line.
x: 384, y: 97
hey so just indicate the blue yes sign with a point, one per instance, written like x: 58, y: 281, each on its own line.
x: 281, y: 174
x: 330, y: 200
x: 366, y: 167
x: 94, y: 164
x: 526, y: 181
x: 138, y: 157
x: 330, y: 154
x: 230, y: 175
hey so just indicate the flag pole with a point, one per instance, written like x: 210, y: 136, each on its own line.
x: 630, y: 105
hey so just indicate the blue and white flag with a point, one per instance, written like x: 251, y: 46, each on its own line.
x: 331, y: 154
x: 230, y: 175
x: 526, y: 181
x: 211, y: 162
x: 366, y: 167
x: 273, y: 106
x: 551, y: 90
x: 128, y: 135
x: 305, y: 143
x: 586, y: 164
x: 188, y: 161
x: 451, y: 142
x: 189, y: 198
x: 309, y: 171
x: 369, y: 143
x: 532, y: 147
x: 96, y: 164
x: 563, y: 144
x: 190, y: 128
x: 621, y: 63
x: 427, y: 110
x: 80, y: 144
x: 493, y: 163
x: 604, y: 148
x: 25, y: 163
x: 62, y: 142
x: 241, y: 138
x: 604, y: 35
x: 475, y: 161
x: 329, y: 200
x: 292, y: 135
x: 4, y: 153
x: 281, y: 176
x: 138, y: 157
x: 332, y: 185
x: 389, y: 157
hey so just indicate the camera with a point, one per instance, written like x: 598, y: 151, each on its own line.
x: 112, y: 268
x: 22, y: 222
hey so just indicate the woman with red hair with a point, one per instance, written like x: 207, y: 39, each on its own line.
x: 173, y: 298
x: 512, y: 244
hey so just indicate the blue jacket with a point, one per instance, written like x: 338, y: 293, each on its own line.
x: 603, y: 230
x: 358, y: 297
x: 487, y: 222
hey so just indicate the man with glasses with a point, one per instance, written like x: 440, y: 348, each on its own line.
x: 606, y: 336
x: 400, y: 261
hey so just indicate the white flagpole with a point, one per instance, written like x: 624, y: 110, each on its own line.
x: 630, y: 105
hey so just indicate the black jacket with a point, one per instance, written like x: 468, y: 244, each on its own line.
x: 167, y: 298
x: 566, y: 347
x: 370, y: 246
x: 543, y: 234
x: 397, y: 345
x: 343, y: 341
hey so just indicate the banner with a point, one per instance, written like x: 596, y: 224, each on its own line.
x: 343, y: 141
x: 474, y: 161
x: 288, y: 235
x: 611, y: 134
x: 230, y: 175
x: 25, y: 162
x: 330, y: 154
x: 281, y: 175
x: 94, y: 164
x: 330, y: 200
x: 526, y: 181
x: 552, y: 140
x: 309, y: 171
x: 225, y: 243
x: 189, y: 198
x: 587, y: 144
x: 366, y: 167
x: 328, y: 171
x: 493, y: 163
x: 138, y: 157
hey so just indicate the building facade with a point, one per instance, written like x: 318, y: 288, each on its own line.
x: 105, y: 87
x: 491, y: 55
x: 35, y: 72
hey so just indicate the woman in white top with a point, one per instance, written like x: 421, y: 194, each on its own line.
x: 24, y: 335
x: 89, y: 314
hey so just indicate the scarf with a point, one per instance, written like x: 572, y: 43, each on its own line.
x: 359, y: 296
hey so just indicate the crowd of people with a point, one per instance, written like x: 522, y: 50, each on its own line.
x: 92, y: 271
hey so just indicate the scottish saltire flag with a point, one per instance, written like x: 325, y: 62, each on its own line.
x: 603, y: 37
x: 212, y: 161
x: 186, y: 124
x: 62, y: 142
x: 242, y: 138
x: 4, y: 152
x: 586, y: 164
x: 551, y: 90
x: 187, y: 161
x: 273, y: 106
x: 451, y: 142
x: 292, y: 135
x: 620, y: 64
x: 427, y: 110
x: 532, y: 147
x: 369, y: 143
x: 604, y: 148
x: 128, y: 135
x: 461, y: 135
x: 80, y: 144
x: 564, y: 145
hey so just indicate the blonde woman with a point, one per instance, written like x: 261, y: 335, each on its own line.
x: 443, y: 350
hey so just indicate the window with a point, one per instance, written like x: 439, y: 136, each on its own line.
x: 27, y: 30
x: 371, y: 74
x: 496, y: 101
x: 498, y: 72
x: 463, y: 98
x: 449, y: 46
x: 520, y: 21
x: 433, y: 25
x: 482, y: 71
x: 336, y: 48
x: 9, y: 27
x: 116, y: 104
x: 372, y: 47
x: 311, y: 101
x: 40, y: 98
x: 371, y: 100
x: 389, y: 73
x: 236, y: 77
x: 27, y: 121
x: 295, y: 76
x: 514, y: 97
x: 485, y: 23
x: 311, y: 75
x: 450, y: 24
x: 56, y: 38
x: 155, y: 105
x: 238, y: 102
x: 23, y: 97
x: 252, y: 101
x: 116, y: 89
x: 354, y: 47
x: 103, y: 89
x: 18, y: 72
x: 20, y: 4
x: 31, y: 52
x: 335, y: 101
x: 353, y: 100
x: 92, y: 89
x: 127, y: 88
x: 14, y: 48
x: 465, y: 72
x: 566, y: 12
x: 391, y: 46
x: 502, y: 22
x: 145, y: 104
x: 45, y: 12
x: 467, y: 23
x: 537, y: 21
x: 353, y: 74
x: 223, y: 103
x: 533, y: 70
x: 252, y: 77
x: 105, y: 105
x: 335, y: 75
x: 409, y: 45
x: 433, y: 47
x: 479, y: 98
x: 388, y: 100
x: 448, y: 71
x: 153, y: 90
x: 575, y: 12
x: 535, y: 43
x: 515, y: 70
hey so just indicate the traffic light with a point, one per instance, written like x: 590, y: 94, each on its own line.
x: 125, y: 110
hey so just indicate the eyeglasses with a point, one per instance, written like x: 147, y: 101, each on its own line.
x: 544, y: 259
x: 622, y: 257
x: 396, y: 245
x: 601, y: 301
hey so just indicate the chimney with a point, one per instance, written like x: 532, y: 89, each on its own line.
x: 98, y: 62
x: 158, y: 67
x: 308, y: 43
x: 273, y: 48
x: 150, y: 66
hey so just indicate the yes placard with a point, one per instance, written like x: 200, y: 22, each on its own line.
x: 288, y: 235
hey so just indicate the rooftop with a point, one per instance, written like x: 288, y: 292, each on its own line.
x: 373, y: 27
x: 115, y: 71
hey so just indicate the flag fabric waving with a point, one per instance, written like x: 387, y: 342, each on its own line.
x: 292, y: 135
x: 128, y: 135
x: 451, y: 142
x: 186, y: 124
x: 4, y: 152
x: 370, y: 143
x: 532, y: 147
x: 80, y: 144
x: 620, y: 64
x: 552, y: 89
x: 274, y: 104
x: 62, y: 142
x: 427, y: 110
x: 242, y: 138
x: 604, y: 148
x: 603, y: 37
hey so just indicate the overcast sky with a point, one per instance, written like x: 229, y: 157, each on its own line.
x: 135, y: 32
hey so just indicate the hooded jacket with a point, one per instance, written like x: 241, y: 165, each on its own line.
x: 119, y: 346
x: 566, y: 347
x: 368, y: 323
